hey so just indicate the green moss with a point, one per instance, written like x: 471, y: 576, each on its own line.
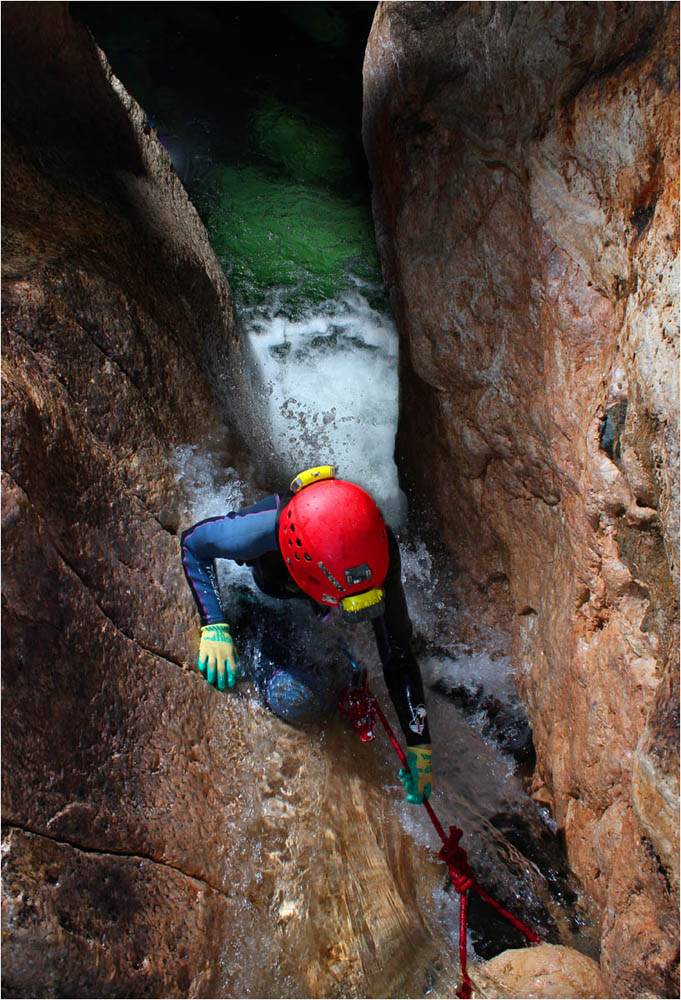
x: 308, y: 153
x: 272, y: 233
x: 280, y: 181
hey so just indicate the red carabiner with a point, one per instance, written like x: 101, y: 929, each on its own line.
x: 359, y: 707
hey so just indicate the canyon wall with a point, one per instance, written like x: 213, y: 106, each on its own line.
x: 524, y: 162
x: 159, y: 838
x: 109, y: 290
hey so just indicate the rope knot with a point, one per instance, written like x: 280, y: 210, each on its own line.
x: 456, y: 860
x: 462, y: 883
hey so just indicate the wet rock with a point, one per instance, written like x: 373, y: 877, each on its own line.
x: 110, y: 297
x: 160, y: 838
x: 505, y: 724
x: 89, y: 924
x: 524, y: 163
x: 543, y: 971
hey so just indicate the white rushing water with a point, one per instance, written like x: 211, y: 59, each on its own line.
x: 327, y: 386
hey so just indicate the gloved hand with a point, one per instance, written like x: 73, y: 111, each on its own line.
x: 218, y: 658
x: 417, y: 776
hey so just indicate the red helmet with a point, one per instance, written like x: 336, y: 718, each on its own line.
x: 335, y: 543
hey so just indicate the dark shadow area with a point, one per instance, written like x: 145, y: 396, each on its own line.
x: 60, y: 110
x: 201, y: 69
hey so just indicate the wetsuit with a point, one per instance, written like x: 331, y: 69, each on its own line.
x: 250, y: 536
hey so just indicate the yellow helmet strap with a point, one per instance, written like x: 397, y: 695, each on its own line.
x: 315, y: 475
x: 362, y: 607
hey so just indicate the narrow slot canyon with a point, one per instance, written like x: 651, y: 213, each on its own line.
x: 437, y: 245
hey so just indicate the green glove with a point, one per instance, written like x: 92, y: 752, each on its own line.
x: 218, y: 658
x: 417, y: 776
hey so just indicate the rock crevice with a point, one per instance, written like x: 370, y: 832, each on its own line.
x: 524, y: 162
x: 100, y: 852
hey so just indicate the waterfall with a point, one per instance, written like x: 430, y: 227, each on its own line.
x: 327, y: 391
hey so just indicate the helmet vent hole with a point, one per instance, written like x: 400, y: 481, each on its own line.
x: 298, y: 541
x: 308, y: 557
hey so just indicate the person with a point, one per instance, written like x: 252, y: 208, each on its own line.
x: 326, y: 542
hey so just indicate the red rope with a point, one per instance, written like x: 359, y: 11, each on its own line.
x: 465, y: 988
x: 360, y: 706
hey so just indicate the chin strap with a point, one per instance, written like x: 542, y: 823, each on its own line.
x: 362, y: 607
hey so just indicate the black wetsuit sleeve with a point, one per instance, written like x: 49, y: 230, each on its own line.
x: 393, y: 631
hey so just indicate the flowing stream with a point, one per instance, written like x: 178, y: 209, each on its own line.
x: 267, y: 144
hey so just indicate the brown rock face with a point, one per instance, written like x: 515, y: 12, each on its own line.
x: 159, y: 838
x: 109, y: 290
x: 525, y: 167
x: 545, y: 971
